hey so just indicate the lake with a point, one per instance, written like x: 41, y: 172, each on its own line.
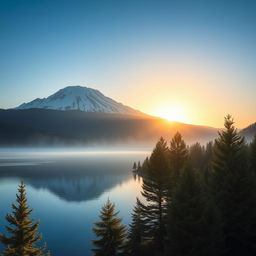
x: 67, y: 189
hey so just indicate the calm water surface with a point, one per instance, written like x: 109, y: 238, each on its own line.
x: 67, y: 189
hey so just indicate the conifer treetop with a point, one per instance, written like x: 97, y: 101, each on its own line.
x: 110, y: 231
x: 23, y: 233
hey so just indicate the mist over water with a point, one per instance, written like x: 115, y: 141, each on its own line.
x: 66, y: 187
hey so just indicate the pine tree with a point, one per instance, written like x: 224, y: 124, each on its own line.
x: 193, y: 225
x: 138, y: 231
x: 196, y: 154
x: 23, y: 232
x: 208, y: 154
x: 111, y: 232
x: 139, y: 166
x: 155, y: 190
x: 178, y: 156
x: 145, y: 166
x: 253, y: 155
x: 233, y: 189
x: 134, y: 166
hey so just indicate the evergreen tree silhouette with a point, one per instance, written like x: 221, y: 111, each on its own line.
x: 252, y: 158
x: 23, y: 232
x: 196, y: 155
x: 145, y: 166
x: 178, y: 157
x: 155, y: 189
x: 138, y: 231
x: 233, y: 188
x: 208, y: 154
x: 194, y: 227
x: 110, y: 231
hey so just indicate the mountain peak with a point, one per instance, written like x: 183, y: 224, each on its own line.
x: 80, y: 98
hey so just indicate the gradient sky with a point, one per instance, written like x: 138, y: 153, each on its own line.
x: 197, y: 57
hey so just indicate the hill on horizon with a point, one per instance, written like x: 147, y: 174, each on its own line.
x: 249, y: 132
x: 73, y: 127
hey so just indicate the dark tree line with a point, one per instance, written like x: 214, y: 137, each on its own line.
x: 197, y: 200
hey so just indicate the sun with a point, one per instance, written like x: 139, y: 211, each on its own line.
x: 172, y: 113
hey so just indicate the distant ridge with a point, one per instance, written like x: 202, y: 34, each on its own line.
x: 80, y: 98
x: 56, y: 127
x: 249, y: 132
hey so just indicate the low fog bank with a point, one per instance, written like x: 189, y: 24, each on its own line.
x: 30, y: 153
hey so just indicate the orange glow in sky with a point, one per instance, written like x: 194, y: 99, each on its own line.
x: 172, y: 112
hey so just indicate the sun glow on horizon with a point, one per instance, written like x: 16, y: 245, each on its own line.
x: 172, y: 112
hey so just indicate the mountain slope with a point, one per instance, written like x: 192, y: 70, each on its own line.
x: 47, y: 127
x: 80, y: 98
x: 249, y: 132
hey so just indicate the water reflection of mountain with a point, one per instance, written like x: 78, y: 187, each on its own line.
x: 78, y: 188
x: 73, y: 181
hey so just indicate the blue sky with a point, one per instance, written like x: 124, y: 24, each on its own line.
x: 199, y: 55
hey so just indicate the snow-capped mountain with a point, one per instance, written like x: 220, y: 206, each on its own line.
x: 80, y: 98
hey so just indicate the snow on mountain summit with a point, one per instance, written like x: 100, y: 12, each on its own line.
x: 79, y: 98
